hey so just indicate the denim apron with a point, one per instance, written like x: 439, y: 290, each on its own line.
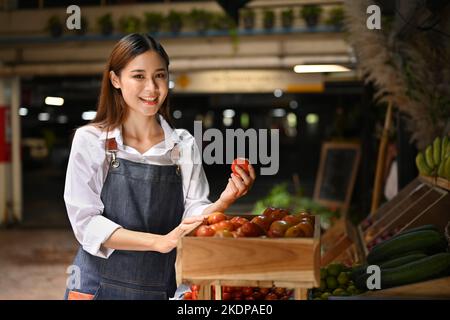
x: 139, y: 197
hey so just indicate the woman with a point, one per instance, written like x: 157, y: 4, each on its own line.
x: 134, y: 185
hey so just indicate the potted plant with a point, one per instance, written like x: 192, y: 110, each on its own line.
x: 130, y: 24
x: 336, y: 18
x: 83, y: 26
x: 175, y: 20
x: 55, y: 26
x: 201, y: 19
x: 223, y: 22
x: 311, y: 14
x: 153, y: 21
x: 287, y: 18
x: 106, y: 24
x: 268, y: 19
x: 248, y: 18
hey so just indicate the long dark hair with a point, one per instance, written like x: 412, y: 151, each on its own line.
x: 112, y: 109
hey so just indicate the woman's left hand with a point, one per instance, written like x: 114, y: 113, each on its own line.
x: 238, y: 185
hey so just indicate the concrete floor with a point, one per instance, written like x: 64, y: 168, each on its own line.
x: 33, y: 263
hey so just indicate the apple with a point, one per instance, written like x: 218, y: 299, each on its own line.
x: 271, y: 296
x: 247, y: 291
x: 278, y: 214
x: 307, y: 228
x: 223, y: 225
x: 242, y: 163
x: 216, y: 217
x: 226, y: 296
x: 187, y: 296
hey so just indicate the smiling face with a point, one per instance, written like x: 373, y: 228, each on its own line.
x: 144, y: 83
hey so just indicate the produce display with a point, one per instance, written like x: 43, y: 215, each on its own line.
x: 245, y: 293
x: 386, y: 235
x: 414, y: 255
x: 334, y: 281
x: 435, y: 160
x: 273, y: 223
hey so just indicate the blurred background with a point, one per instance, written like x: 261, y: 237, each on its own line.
x: 234, y: 64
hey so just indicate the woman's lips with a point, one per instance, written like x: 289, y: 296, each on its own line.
x: 149, y: 103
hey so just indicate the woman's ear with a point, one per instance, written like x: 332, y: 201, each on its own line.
x: 114, y: 79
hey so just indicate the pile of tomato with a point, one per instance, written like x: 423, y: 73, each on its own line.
x: 245, y: 293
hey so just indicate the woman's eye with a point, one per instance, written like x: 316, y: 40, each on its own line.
x: 139, y: 76
x: 161, y: 75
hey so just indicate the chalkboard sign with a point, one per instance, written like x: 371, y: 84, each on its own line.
x: 337, y: 173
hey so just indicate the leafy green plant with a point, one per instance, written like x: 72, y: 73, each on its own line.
x: 287, y: 18
x: 268, y: 19
x: 55, y: 26
x: 106, y: 24
x: 175, y: 21
x: 201, y: 19
x: 153, y: 21
x: 130, y: 24
x: 248, y: 18
x: 336, y: 17
x: 222, y: 22
x: 311, y: 14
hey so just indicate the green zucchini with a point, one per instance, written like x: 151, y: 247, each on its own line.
x: 402, y: 260
x: 428, y: 241
x: 420, y: 270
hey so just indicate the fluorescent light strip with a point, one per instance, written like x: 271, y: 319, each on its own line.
x: 54, y: 101
x: 317, y: 68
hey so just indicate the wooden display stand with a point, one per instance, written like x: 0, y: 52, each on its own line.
x: 424, y: 200
x: 254, y: 262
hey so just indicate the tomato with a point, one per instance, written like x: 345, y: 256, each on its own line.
x: 279, y: 291
x: 307, y: 228
x: 226, y: 296
x: 292, y: 219
x: 205, y: 231
x: 242, y: 163
x: 278, y: 214
x: 257, y: 295
x: 238, y: 221
x: 271, y: 296
x: 278, y: 229
x: 195, y: 287
x: 247, y: 291
x: 249, y: 229
x: 237, y: 295
x: 263, y: 222
x: 223, y: 225
x: 223, y: 234
x: 227, y: 289
x: 216, y: 217
x: 187, y: 296
x: 264, y: 291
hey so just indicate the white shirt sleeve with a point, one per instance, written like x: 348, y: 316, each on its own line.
x: 84, y: 180
x: 198, y: 190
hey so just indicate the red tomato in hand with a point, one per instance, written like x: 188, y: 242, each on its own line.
x: 242, y: 163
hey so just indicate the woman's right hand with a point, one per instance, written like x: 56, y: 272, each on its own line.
x: 170, y: 240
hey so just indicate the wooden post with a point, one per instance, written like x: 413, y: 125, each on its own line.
x: 380, y: 161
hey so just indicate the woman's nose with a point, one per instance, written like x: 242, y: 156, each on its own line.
x: 151, y: 84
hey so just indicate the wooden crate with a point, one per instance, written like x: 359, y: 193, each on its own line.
x: 427, y: 203
x: 261, y: 262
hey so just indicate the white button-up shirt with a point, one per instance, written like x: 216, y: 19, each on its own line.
x: 88, y: 166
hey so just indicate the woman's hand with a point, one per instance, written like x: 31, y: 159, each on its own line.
x: 170, y: 240
x: 238, y: 185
